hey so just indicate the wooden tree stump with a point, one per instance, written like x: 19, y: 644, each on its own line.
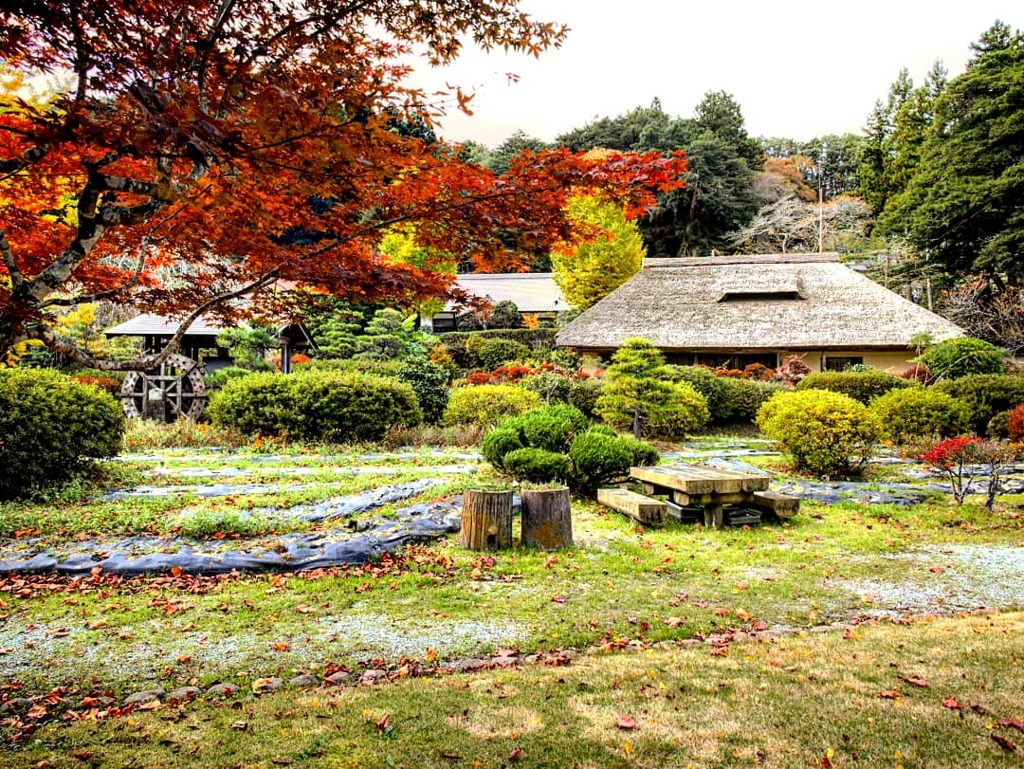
x: 486, y: 520
x: 547, y: 518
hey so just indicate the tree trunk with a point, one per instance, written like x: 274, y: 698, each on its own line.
x: 486, y: 520
x: 547, y: 518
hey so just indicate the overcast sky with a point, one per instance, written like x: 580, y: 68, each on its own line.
x: 797, y: 68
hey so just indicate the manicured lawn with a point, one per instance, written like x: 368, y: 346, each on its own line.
x: 620, y: 606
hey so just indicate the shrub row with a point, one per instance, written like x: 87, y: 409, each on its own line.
x: 51, y: 428
x: 315, y: 406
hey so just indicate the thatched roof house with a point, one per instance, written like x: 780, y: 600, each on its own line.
x: 735, y: 310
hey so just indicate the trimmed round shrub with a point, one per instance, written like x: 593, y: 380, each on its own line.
x: 963, y: 356
x: 353, y: 407
x: 597, y: 458
x: 537, y: 465
x: 551, y: 427
x: 52, y: 428
x: 827, y: 433
x: 919, y: 413
x: 486, y: 405
x: 499, y: 442
x: 859, y: 385
x: 315, y: 406
x: 984, y: 395
x: 259, y: 404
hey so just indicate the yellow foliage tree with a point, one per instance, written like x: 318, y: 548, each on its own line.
x: 609, y: 253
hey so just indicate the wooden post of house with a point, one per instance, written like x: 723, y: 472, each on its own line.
x: 547, y: 518
x: 486, y: 520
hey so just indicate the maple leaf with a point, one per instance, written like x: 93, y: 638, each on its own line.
x: 889, y: 694
x: 626, y: 723
x: 952, y: 703
x: 1012, y: 723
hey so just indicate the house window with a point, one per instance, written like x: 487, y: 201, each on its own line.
x: 841, y: 363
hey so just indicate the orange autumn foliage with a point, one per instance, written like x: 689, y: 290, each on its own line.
x: 205, y: 151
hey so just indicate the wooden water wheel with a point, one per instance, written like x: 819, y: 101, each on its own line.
x: 181, y: 381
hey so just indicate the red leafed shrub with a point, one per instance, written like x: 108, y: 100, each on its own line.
x: 298, y: 358
x: 920, y: 373
x: 1016, y: 424
x: 949, y: 452
x: 733, y: 373
x: 759, y: 372
x: 515, y: 373
x: 965, y: 458
x: 478, y: 378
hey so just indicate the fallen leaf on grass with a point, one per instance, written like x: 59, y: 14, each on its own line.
x: 626, y: 723
x: 1012, y: 723
x: 557, y: 599
x: 515, y: 754
x: 282, y: 646
x: 889, y: 694
x: 952, y: 703
x: 240, y: 726
x: 914, y: 681
x: 1002, y: 742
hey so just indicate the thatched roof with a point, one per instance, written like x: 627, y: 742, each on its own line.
x: 530, y: 291
x: 767, y: 302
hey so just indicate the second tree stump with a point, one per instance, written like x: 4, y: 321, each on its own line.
x: 547, y: 518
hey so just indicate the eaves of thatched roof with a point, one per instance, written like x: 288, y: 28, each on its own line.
x: 766, y: 302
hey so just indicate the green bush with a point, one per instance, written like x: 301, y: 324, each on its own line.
x: 731, y: 400
x: 315, y: 406
x: 491, y: 353
x: 963, y: 356
x: 917, y: 413
x: 486, y: 405
x: 430, y: 381
x: 827, y: 433
x: 217, y: 379
x: 597, y: 459
x: 537, y: 465
x: 862, y: 386
x: 499, y: 442
x: 456, y: 341
x: 552, y: 427
x: 581, y: 392
x: 744, y: 398
x: 52, y: 428
x: 634, y: 383
x: 984, y: 395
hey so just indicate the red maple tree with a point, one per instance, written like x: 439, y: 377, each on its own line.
x: 204, y: 149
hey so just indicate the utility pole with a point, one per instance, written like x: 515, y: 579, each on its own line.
x: 821, y: 200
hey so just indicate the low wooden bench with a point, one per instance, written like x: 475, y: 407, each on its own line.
x: 648, y: 511
x: 775, y: 502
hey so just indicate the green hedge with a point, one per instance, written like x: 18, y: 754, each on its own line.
x: 963, y: 356
x: 315, y: 406
x: 456, y: 341
x: 984, y: 395
x: 51, y: 428
x: 862, y: 386
x: 431, y: 382
x: 919, y: 413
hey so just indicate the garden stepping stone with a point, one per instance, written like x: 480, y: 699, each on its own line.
x: 304, y: 681
x: 145, y: 697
